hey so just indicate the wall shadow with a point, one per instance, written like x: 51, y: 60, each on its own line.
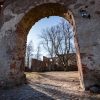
x: 39, y: 91
x: 24, y: 92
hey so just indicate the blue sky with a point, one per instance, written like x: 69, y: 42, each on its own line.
x: 36, y: 30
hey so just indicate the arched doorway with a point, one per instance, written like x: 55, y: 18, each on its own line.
x: 14, y: 12
x: 41, y: 11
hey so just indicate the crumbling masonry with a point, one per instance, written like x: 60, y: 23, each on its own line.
x: 18, y: 16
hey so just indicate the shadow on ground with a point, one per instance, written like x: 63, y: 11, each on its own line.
x: 58, y: 94
x: 45, y: 86
x: 24, y: 92
x: 41, y: 92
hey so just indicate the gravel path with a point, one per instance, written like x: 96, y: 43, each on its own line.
x: 49, y: 86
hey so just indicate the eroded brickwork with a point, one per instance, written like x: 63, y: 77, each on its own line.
x: 18, y: 16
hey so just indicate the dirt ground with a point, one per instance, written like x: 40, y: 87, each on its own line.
x: 49, y: 86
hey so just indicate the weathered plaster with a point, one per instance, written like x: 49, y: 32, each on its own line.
x: 18, y: 16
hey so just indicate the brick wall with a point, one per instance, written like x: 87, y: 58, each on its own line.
x: 53, y: 64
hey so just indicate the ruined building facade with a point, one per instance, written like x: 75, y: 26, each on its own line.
x: 18, y: 16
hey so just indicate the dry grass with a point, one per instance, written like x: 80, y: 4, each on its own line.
x: 32, y: 75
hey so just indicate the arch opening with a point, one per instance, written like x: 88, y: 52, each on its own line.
x: 49, y: 30
x: 16, y: 19
x: 35, y: 14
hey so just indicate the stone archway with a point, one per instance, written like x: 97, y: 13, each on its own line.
x: 35, y: 14
x: 17, y: 17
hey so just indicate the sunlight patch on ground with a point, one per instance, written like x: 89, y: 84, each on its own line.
x: 32, y: 75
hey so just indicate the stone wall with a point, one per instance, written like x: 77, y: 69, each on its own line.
x: 18, y: 16
x: 55, y: 63
x: 38, y: 66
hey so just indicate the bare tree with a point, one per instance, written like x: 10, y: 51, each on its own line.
x: 57, y: 41
x: 29, y: 53
x: 48, y: 38
x: 38, y: 51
